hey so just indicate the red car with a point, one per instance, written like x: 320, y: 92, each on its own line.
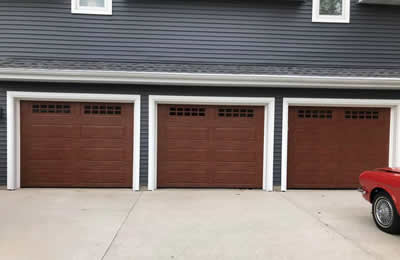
x: 381, y: 187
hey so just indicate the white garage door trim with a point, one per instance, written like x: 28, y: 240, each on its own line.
x: 394, y: 141
x: 14, y: 133
x: 269, y: 117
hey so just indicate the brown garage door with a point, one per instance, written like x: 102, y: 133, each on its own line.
x: 210, y: 146
x: 76, y: 144
x: 329, y: 147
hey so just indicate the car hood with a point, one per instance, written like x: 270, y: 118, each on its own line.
x: 390, y: 169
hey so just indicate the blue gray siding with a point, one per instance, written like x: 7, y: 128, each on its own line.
x: 278, y: 93
x: 214, y: 31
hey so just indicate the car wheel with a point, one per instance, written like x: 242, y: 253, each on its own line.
x: 385, y: 213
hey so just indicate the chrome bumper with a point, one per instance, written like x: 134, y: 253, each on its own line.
x: 363, y: 192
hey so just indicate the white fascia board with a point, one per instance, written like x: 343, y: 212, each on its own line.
x: 197, y: 79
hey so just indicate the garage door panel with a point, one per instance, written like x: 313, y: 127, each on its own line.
x: 245, y: 172
x: 241, y: 145
x: 331, y: 152
x: 51, y: 143
x: 183, y: 166
x: 183, y: 172
x: 96, y: 131
x: 50, y: 154
x: 188, y: 155
x: 103, y: 142
x: 227, y: 179
x: 236, y: 156
x: 120, y: 165
x: 49, y: 177
x: 217, y: 149
x: 187, y: 144
x: 187, y: 133
x: 71, y: 145
x: 103, y: 120
x: 234, y: 134
x: 37, y: 165
x: 55, y: 119
x: 53, y: 131
x: 102, y: 154
x: 103, y: 178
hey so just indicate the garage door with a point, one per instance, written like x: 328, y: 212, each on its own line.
x: 210, y: 146
x: 329, y: 147
x: 76, y: 144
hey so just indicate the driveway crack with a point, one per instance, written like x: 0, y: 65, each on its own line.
x: 122, y: 224
x: 331, y: 228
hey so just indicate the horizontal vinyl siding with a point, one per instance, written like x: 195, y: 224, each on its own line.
x: 144, y: 91
x: 215, y: 31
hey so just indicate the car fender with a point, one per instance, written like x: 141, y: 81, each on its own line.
x: 389, y: 190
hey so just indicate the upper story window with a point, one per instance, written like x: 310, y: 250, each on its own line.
x: 92, y: 7
x: 331, y: 11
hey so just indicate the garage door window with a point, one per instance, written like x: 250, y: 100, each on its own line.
x: 235, y: 112
x: 315, y: 113
x: 51, y: 108
x: 103, y: 109
x: 187, y: 111
x: 362, y: 115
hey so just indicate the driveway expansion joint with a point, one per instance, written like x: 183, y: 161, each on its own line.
x: 122, y: 224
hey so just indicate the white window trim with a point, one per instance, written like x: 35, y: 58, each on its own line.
x: 344, y: 18
x: 269, y: 118
x: 394, y: 139
x: 106, y: 10
x: 14, y: 131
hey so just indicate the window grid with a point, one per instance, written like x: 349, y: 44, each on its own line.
x: 314, y: 113
x: 366, y: 115
x: 187, y: 111
x: 51, y: 108
x: 103, y: 109
x: 235, y: 112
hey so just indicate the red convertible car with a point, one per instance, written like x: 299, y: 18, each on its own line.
x: 381, y: 187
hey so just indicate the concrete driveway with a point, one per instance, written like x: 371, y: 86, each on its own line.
x: 189, y: 224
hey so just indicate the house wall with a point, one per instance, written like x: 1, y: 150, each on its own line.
x: 144, y: 91
x: 217, y: 31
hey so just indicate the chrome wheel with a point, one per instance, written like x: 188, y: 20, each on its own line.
x: 384, y: 213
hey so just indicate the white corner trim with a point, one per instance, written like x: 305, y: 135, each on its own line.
x: 13, y: 122
x: 394, y: 139
x: 197, y: 79
x: 77, y: 9
x: 269, y: 119
x: 343, y: 18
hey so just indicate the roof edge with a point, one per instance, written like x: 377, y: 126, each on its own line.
x: 197, y: 79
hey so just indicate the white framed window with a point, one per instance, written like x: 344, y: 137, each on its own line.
x: 331, y: 11
x: 103, y: 7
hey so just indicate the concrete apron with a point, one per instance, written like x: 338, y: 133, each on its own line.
x: 189, y: 224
